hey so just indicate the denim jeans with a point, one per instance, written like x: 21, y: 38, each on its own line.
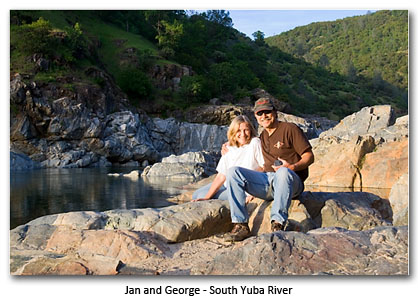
x: 280, y: 186
x: 200, y: 193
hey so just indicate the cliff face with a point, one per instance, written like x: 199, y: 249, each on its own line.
x: 89, y: 125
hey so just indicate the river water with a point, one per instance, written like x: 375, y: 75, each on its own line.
x: 36, y: 193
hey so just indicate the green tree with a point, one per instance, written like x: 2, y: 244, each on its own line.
x: 220, y: 17
x: 170, y: 34
x: 76, y: 40
x: 223, y: 77
x: 259, y: 38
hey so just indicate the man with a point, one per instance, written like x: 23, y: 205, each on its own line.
x: 280, y: 181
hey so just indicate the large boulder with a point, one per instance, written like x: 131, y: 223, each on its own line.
x: 339, y: 164
x: 367, y: 149
x: 349, y: 210
x: 367, y: 120
x: 383, y: 167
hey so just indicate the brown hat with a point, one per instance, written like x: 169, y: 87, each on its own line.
x: 263, y: 104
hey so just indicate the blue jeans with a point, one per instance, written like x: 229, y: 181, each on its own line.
x: 221, y: 194
x: 280, y: 186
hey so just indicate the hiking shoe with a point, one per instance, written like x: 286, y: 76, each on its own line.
x: 275, y: 226
x: 239, y: 232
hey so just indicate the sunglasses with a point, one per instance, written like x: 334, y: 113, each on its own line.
x: 260, y: 113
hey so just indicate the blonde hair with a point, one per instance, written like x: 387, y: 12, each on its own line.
x: 234, y: 126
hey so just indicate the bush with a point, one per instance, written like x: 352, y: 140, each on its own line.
x: 36, y: 38
x: 194, y: 88
x: 135, y: 83
x: 41, y: 38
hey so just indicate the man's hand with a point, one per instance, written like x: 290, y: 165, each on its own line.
x: 306, y: 160
x: 284, y: 164
x: 249, y: 198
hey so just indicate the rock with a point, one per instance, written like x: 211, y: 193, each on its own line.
x: 367, y: 121
x: 399, y: 200
x: 330, y: 251
x: 351, y: 216
x: 338, y: 164
x: 385, y: 165
x: 350, y: 210
x: 21, y: 129
x: 170, y: 136
x: 20, y: 162
x: 87, y: 252
x: 17, y: 89
x: 133, y: 175
x: 172, y: 224
x: 193, y: 165
x: 175, y: 223
x: 375, y: 158
x: 215, y: 101
x: 126, y: 139
x: 78, y: 119
x: 42, y: 64
x: 217, y: 114
x: 168, y: 76
x: 260, y: 222
x: 136, y: 241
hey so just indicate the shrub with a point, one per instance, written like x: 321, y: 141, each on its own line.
x: 36, y: 38
x: 194, y: 88
x: 135, y: 83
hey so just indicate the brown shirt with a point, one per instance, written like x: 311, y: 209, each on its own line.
x: 287, y: 142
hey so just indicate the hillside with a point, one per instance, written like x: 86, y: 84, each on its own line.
x: 132, y: 47
x: 373, y: 46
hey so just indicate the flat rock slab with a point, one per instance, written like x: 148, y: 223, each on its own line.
x: 173, y: 223
x: 325, y: 251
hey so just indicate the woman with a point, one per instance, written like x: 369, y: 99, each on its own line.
x: 244, y: 150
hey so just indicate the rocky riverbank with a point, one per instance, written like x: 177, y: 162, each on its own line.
x: 328, y: 233
x: 349, y: 233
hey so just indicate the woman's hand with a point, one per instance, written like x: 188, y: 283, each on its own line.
x: 199, y: 199
x: 225, y: 148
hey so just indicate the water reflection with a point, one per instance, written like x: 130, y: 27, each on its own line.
x: 49, y: 191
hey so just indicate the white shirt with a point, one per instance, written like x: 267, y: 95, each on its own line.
x: 248, y: 156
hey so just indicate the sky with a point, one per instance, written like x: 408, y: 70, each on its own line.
x: 274, y: 22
